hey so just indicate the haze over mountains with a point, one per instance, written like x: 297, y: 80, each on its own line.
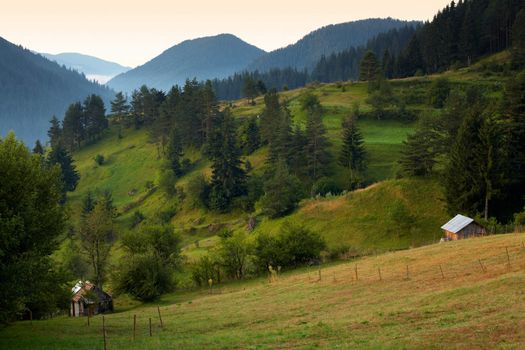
x: 222, y: 55
x: 33, y: 89
x: 204, y: 58
x: 93, y: 68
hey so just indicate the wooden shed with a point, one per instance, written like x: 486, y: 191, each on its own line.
x: 88, y: 299
x: 461, y: 227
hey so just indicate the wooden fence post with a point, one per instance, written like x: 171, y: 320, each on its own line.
x: 356, y: 276
x: 508, y: 257
x: 160, y: 318
x: 319, y: 272
x: 441, y: 269
x: 483, y: 269
x: 89, y: 314
x: 104, y: 332
x: 408, y: 274
x: 379, y: 272
x: 134, y: 326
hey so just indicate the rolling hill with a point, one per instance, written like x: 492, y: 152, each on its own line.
x: 204, y: 58
x: 324, y: 41
x: 33, y: 89
x: 93, y: 68
x: 399, y: 300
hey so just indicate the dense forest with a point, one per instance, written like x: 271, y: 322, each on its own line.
x: 32, y: 89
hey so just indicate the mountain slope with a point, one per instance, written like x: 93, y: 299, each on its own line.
x: 324, y: 41
x: 94, y: 68
x: 465, y: 307
x: 203, y: 58
x: 32, y: 89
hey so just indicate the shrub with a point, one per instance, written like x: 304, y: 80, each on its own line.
x: 205, y: 269
x: 145, y: 278
x: 325, y: 186
x: 198, y: 190
x: 438, y: 92
x: 167, y: 181
x: 99, y: 159
x: 137, y: 218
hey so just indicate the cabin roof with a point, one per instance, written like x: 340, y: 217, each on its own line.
x: 458, y: 223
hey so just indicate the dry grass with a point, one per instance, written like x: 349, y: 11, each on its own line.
x: 467, y: 309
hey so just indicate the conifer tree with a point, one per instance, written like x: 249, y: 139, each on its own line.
x: 228, y: 176
x: 279, y: 145
x: 282, y: 191
x: 298, y: 163
x: 55, y: 131
x: 270, y: 116
x: 174, y: 152
x: 210, y: 110
x: 317, y: 154
x: 94, y: 117
x: 418, y: 156
x: 119, y: 106
x: 369, y: 68
x: 353, y: 154
x: 73, y: 131
x: 38, y: 149
x: 250, y: 138
x: 60, y: 156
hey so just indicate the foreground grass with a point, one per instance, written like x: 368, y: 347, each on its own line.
x: 463, y: 308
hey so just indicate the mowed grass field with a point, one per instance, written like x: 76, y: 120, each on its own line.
x: 458, y: 295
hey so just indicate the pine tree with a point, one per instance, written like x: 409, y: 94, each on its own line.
x: 174, y: 152
x: 353, y: 154
x: 317, y: 154
x: 88, y: 204
x: 270, y: 116
x: 418, y: 156
x: 298, y: 163
x: 249, y: 136
x: 94, y: 117
x: 249, y: 89
x: 210, y: 110
x: 119, y: 106
x: 369, y: 68
x: 228, y: 176
x: 73, y: 131
x: 38, y: 149
x: 60, y: 156
x: 473, y: 172
x: 279, y: 145
x: 55, y: 131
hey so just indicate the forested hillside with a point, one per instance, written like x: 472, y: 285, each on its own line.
x: 33, y: 89
x: 325, y: 41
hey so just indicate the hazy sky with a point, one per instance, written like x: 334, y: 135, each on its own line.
x: 133, y: 32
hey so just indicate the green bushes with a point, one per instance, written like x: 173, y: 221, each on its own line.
x: 325, y: 186
x: 146, y: 271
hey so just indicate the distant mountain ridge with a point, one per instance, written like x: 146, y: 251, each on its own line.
x: 203, y: 58
x: 94, y: 68
x: 334, y: 38
x: 33, y: 89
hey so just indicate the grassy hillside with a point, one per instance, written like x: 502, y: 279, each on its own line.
x: 463, y: 308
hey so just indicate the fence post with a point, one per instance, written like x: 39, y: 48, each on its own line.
x: 442, y: 274
x: 483, y: 269
x: 408, y: 274
x: 104, y: 332
x: 89, y: 314
x: 134, y: 326
x: 379, y: 271
x: 150, y: 327
x: 508, y: 257
x: 356, y: 276
x: 160, y: 318
x: 319, y: 272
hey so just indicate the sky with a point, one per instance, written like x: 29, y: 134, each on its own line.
x: 133, y: 32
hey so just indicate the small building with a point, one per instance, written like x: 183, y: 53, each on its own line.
x: 88, y: 299
x: 461, y: 227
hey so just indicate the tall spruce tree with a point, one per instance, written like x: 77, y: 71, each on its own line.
x: 228, y: 176
x: 270, y: 115
x: 55, y: 131
x: 353, y: 154
x: 94, y: 117
x: 418, y: 156
x: 369, y: 68
x: 317, y: 154
x: 38, y: 149
x: 298, y: 162
x: 119, y: 107
x: 61, y: 157
x: 279, y: 145
x: 73, y: 131
x: 174, y: 152
x: 472, y: 175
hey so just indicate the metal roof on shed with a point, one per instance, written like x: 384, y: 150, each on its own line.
x: 458, y: 223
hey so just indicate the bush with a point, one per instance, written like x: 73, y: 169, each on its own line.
x: 145, y: 278
x: 137, y: 218
x: 439, y: 91
x: 99, y: 159
x: 295, y: 245
x: 325, y: 186
x: 167, y: 181
x: 198, y: 191
x: 205, y: 269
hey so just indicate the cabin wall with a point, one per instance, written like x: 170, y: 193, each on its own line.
x: 472, y: 230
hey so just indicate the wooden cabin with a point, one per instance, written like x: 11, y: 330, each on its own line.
x: 461, y: 227
x: 88, y: 299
